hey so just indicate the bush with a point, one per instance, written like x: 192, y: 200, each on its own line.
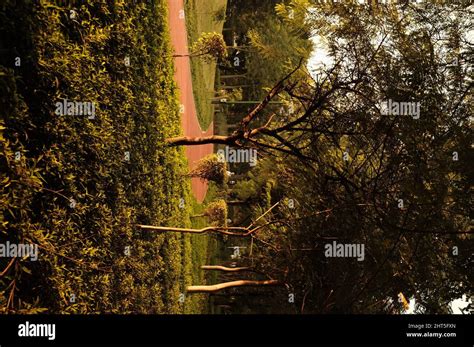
x: 211, y: 169
x: 216, y: 211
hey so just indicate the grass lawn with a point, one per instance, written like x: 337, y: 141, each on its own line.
x: 203, y: 248
x: 198, y: 247
x: 201, y: 16
x: 75, y: 186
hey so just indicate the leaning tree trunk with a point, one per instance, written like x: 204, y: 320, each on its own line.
x: 237, y: 231
x: 234, y: 231
x: 241, y: 283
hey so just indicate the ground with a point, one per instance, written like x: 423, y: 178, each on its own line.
x: 189, y: 119
x: 204, y: 16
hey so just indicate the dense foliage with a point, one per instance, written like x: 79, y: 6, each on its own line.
x: 76, y: 185
x: 396, y: 183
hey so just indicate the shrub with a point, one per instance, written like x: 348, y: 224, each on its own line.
x: 211, y: 169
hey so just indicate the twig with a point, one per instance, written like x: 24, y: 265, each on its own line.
x: 8, y: 266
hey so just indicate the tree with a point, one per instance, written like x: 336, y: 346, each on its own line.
x: 239, y: 283
x: 210, y: 168
x: 272, y: 58
x: 216, y: 211
x: 367, y: 162
x: 224, y: 230
x: 209, y: 46
x: 263, y: 59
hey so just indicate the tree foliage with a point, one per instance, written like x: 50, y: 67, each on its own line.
x: 210, y: 168
x: 216, y: 211
x: 395, y: 183
x: 209, y: 46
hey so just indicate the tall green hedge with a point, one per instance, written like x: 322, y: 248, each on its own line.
x: 67, y: 182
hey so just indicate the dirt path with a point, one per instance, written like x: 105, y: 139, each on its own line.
x: 189, y: 120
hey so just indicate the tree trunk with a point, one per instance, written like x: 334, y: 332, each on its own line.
x: 234, y: 231
x: 222, y: 230
x: 241, y: 283
x: 233, y: 76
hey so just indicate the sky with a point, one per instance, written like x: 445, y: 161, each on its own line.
x: 319, y: 56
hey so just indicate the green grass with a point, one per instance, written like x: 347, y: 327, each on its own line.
x: 82, y: 247
x: 201, y: 17
x: 202, y: 251
x: 197, y: 247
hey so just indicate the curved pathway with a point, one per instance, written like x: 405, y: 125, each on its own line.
x: 183, y: 78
